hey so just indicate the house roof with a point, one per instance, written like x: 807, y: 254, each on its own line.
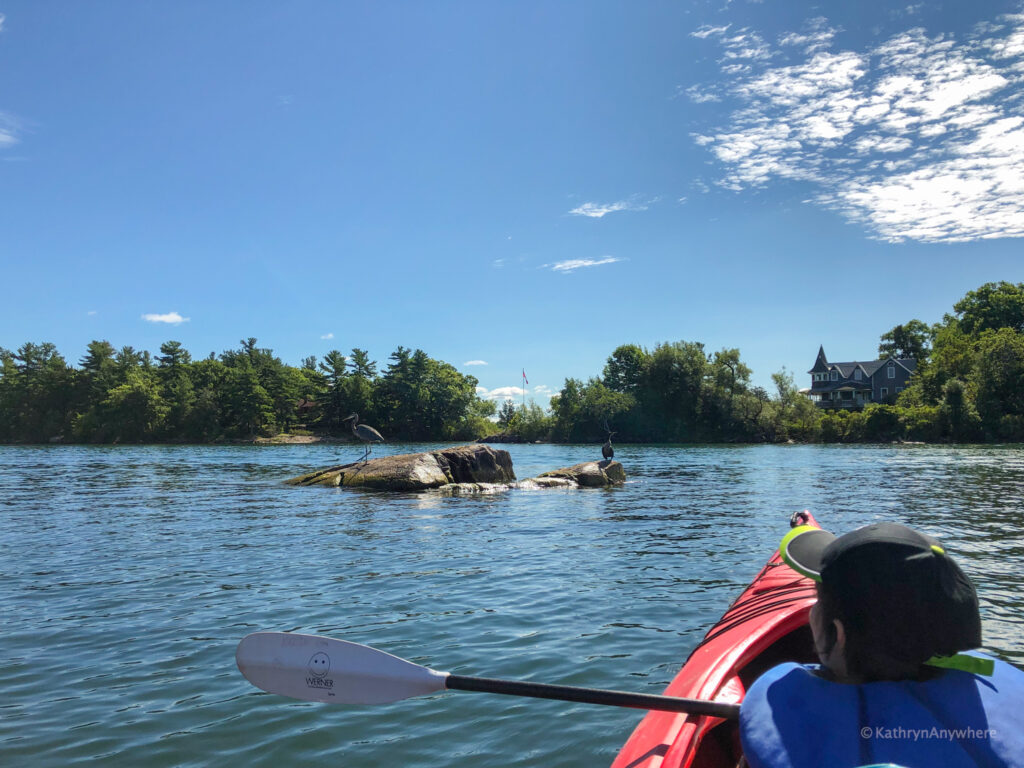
x: 821, y: 364
x: 846, y: 369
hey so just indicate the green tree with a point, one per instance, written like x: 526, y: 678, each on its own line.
x: 626, y: 368
x: 908, y: 339
x: 248, y: 408
x: 533, y: 424
x: 998, y: 383
x: 991, y: 307
x: 566, y: 407
x: 45, y: 392
x: 176, y: 387
x: 359, y: 386
x: 334, y: 370
x: 132, y: 412
x: 672, y: 390
x: 206, y: 417
x: 794, y: 415
x: 507, y: 415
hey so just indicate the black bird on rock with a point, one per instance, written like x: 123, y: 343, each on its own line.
x: 606, y: 450
x: 364, y: 432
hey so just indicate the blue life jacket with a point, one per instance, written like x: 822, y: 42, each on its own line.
x: 791, y: 718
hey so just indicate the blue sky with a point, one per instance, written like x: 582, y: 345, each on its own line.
x: 505, y: 185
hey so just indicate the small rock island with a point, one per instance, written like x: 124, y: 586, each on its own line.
x: 461, y: 468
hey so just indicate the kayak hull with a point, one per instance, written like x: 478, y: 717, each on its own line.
x: 765, y: 626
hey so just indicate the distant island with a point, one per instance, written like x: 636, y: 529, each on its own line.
x: 965, y: 384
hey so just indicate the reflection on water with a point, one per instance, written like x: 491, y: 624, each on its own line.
x: 130, y: 574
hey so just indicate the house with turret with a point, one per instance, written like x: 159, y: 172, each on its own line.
x: 854, y: 385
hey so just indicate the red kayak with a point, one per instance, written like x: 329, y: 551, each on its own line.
x: 767, y: 625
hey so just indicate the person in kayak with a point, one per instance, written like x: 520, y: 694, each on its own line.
x: 893, y: 617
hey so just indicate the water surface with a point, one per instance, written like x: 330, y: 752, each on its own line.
x: 129, y: 574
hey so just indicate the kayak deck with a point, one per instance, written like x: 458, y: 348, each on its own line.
x: 765, y: 626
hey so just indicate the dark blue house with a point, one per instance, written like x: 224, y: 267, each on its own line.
x: 854, y: 385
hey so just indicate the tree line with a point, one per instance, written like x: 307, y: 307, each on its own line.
x: 127, y: 395
x: 968, y: 386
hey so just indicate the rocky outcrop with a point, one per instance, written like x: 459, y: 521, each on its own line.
x: 502, y: 437
x: 589, y: 474
x: 419, y: 471
x: 464, y: 469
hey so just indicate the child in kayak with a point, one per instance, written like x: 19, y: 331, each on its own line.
x: 893, y: 617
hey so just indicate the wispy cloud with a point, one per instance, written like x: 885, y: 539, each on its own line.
x: 918, y: 138
x: 171, y: 318
x: 475, y: 362
x: 327, y: 336
x: 9, y: 126
x: 599, y: 210
x: 570, y: 265
x: 91, y: 312
x: 707, y: 31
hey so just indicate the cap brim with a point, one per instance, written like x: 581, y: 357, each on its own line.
x: 803, y: 548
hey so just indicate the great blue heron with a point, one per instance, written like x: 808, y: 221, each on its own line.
x: 364, y: 432
x: 606, y: 450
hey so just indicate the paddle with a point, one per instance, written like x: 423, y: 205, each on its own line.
x: 314, y: 668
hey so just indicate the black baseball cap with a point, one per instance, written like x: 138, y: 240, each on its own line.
x: 895, y: 585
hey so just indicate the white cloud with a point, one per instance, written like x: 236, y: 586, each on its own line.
x: 599, y: 210
x: 500, y: 393
x: 918, y: 138
x: 91, y: 312
x: 498, y: 263
x: 171, y: 318
x: 570, y: 265
x: 541, y: 394
x: 327, y: 336
x: 475, y: 362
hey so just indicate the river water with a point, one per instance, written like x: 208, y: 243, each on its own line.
x: 129, y: 574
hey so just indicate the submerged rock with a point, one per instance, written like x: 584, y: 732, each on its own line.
x: 418, y: 471
x: 589, y: 474
x: 502, y: 437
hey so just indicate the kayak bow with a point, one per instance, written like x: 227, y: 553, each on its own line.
x: 765, y: 626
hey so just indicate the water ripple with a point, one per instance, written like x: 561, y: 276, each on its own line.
x: 130, y: 574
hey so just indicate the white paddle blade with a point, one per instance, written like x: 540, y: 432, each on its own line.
x: 314, y: 668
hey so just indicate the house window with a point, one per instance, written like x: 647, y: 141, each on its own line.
x: 898, y: 390
x: 885, y: 391
x: 891, y: 371
x: 835, y: 375
x: 856, y: 374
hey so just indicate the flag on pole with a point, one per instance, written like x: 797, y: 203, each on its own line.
x: 525, y: 380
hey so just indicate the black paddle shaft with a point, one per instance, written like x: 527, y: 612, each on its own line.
x: 593, y: 696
